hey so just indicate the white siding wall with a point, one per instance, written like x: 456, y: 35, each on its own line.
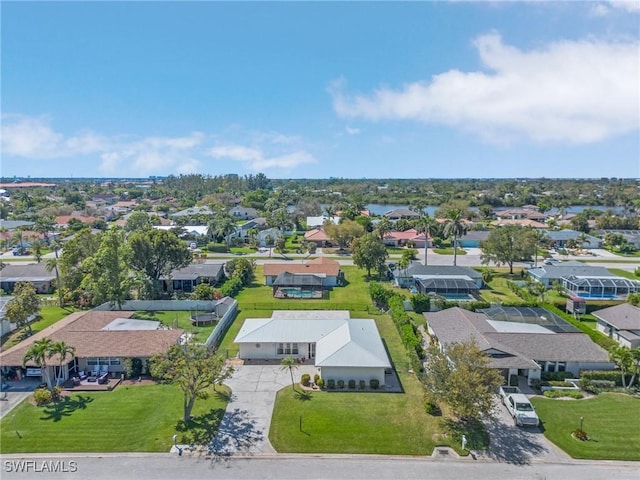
x: 268, y: 351
x: 352, y: 373
x: 575, y: 367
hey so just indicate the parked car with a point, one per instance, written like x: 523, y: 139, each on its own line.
x: 521, y: 410
x: 505, y: 391
x: 20, y: 251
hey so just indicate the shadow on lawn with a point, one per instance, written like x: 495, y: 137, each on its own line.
x: 64, y: 408
x: 201, y: 429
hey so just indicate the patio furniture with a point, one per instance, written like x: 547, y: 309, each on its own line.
x: 82, y: 375
x: 92, y: 378
x: 103, y: 379
x: 104, y: 369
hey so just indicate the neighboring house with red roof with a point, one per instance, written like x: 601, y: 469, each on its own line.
x: 63, y: 220
x: 317, y: 236
x: 102, y: 340
x: 323, y: 268
x: 400, y: 239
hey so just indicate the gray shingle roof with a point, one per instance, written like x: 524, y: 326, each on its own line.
x: 197, y: 270
x: 419, y: 269
x: 34, y: 272
x: 623, y: 317
x: 566, y: 269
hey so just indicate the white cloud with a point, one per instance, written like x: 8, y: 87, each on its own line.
x: 255, y: 158
x: 352, y: 130
x: 571, y: 91
x: 34, y: 138
x: 599, y: 10
x: 628, y: 5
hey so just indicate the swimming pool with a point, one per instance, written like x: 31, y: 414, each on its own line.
x: 457, y: 297
x: 298, y: 293
x: 599, y: 296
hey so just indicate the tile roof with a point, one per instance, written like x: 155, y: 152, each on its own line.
x: 83, y: 331
x: 320, y: 265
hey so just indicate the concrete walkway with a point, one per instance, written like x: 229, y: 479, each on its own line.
x: 16, y: 392
x: 245, y: 425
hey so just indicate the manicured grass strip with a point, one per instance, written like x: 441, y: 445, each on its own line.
x: 184, y: 321
x: 343, y: 422
x: 449, y: 251
x: 623, y: 273
x: 611, y: 421
x: 49, y: 315
x: 137, y: 418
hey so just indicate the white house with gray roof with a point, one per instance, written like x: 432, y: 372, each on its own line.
x: 342, y: 348
x: 620, y: 322
x: 520, y: 341
x: 417, y: 272
x: 547, y: 274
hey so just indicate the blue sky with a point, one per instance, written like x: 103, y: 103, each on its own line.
x: 315, y: 90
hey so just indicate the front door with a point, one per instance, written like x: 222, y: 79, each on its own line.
x: 312, y: 350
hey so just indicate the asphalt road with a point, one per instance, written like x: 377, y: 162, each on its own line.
x: 166, y: 466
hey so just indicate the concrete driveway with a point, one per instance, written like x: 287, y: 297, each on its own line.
x: 245, y: 425
x: 518, y: 445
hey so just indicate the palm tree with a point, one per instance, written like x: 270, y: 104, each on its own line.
x: 330, y: 210
x: 52, y: 264
x: 289, y: 363
x: 622, y: 357
x: 252, y: 234
x: 455, y: 227
x: 384, y: 226
x: 63, y: 351
x: 37, y: 354
x: 430, y: 227
x: 224, y: 226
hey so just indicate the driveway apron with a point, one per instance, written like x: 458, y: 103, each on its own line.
x: 245, y: 425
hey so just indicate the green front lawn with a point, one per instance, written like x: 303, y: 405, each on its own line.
x: 363, y: 423
x: 183, y: 318
x: 610, y: 420
x: 137, y: 418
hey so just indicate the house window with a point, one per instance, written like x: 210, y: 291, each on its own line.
x: 287, y: 349
x: 551, y: 367
x: 114, y: 361
x: 562, y: 366
x: 257, y: 345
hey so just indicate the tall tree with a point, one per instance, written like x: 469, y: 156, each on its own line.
x: 194, y: 368
x: 343, y: 233
x: 623, y: 359
x: 140, y: 221
x: 289, y: 363
x: 461, y: 378
x: 63, y: 351
x: 52, y: 264
x: 455, y: 228
x: 430, y: 227
x: 155, y: 254
x: 37, y: 353
x: 508, y: 244
x: 281, y: 219
x: 108, y: 276
x: 83, y: 245
x: 369, y: 252
x: 24, y: 306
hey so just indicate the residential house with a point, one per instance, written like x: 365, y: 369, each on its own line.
x: 316, y: 222
x: 400, y: 239
x: 36, y: 274
x: 520, y: 214
x: 243, y: 213
x: 325, y: 268
x: 631, y: 236
x: 272, y: 234
x: 63, y: 220
x: 433, y: 278
x: 187, y: 278
x: 585, y: 281
x: 473, y: 238
x: 547, y: 274
x: 192, y: 211
x: 11, y: 225
x: 559, y: 238
x: 398, y: 213
x: 341, y: 347
x: 102, y: 341
x: 520, y: 341
x: 525, y: 222
x: 620, y: 322
x: 317, y: 236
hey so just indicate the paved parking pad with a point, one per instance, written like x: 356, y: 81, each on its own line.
x: 518, y: 445
x: 245, y: 425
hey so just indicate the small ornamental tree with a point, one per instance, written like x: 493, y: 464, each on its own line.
x: 194, y: 368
